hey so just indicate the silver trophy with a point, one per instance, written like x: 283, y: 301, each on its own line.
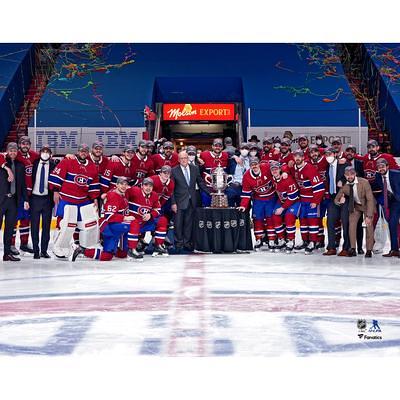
x: 219, y: 182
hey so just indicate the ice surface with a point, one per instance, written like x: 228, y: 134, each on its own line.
x: 258, y: 304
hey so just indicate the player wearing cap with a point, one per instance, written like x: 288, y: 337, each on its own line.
x: 320, y: 163
x: 286, y: 209
x: 144, y: 206
x: 142, y: 165
x: 286, y: 155
x: 312, y: 191
x: 258, y: 187
x: 369, y: 163
x: 97, y: 157
x: 337, y: 145
x: 269, y: 152
x: 114, y: 226
x: 150, y: 145
x: 209, y: 161
x: 117, y: 167
x: 76, y: 187
x: 26, y: 156
x: 163, y: 185
x: 169, y: 157
x: 303, y: 143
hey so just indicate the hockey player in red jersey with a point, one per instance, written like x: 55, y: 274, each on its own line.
x: 114, y: 226
x: 312, y: 191
x: 318, y: 161
x: 209, y: 161
x: 270, y: 153
x: 26, y: 156
x: 117, y: 167
x: 286, y: 157
x: 168, y: 158
x: 369, y: 163
x: 97, y: 157
x: 286, y: 209
x: 303, y: 143
x: 141, y: 164
x: 258, y: 187
x: 76, y: 189
x: 145, y: 207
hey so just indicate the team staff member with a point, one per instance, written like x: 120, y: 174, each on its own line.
x: 41, y: 202
x: 12, y: 192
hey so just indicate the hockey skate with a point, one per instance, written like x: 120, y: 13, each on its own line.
x: 309, y: 249
x: 300, y: 247
x: 160, y: 250
x: 135, y: 255
x: 280, y: 245
x: 289, y: 246
x: 258, y: 245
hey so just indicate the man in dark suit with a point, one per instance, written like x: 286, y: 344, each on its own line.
x: 184, y: 200
x: 41, y: 202
x: 335, y: 180
x: 12, y: 191
x: 388, y: 180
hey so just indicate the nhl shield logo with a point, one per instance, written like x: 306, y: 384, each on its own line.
x: 361, y: 324
x: 226, y: 224
x: 241, y: 222
x: 209, y: 224
x: 201, y: 224
x: 233, y: 223
x: 218, y: 225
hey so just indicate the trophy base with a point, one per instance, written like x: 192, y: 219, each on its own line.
x: 219, y: 200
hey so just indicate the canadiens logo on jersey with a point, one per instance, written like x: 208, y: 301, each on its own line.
x: 143, y: 210
x: 28, y: 170
x: 81, y: 180
x: 263, y: 188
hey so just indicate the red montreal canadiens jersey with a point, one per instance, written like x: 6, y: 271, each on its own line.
x: 113, y: 171
x: 101, y: 164
x: 141, y: 204
x: 287, y: 191
x: 141, y: 168
x: 285, y: 158
x: 321, y: 165
x: 28, y: 161
x: 159, y: 160
x: 212, y: 161
x: 311, y: 188
x: 115, y: 208
x: 75, y: 181
x: 270, y: 156
x: 258, y: 187
x: 164, y: 190
x: 369, y: 164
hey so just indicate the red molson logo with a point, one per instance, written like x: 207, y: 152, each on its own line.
x: 199, y: 112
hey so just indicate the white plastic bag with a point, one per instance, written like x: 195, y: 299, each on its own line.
x: 381, y: 232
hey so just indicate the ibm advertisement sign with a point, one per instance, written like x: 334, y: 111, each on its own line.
x: 67, y: 140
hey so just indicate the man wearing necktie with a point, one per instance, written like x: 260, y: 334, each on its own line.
x: 41, y: 202
x: 388, y: 181
x: 335, y: 180
x: 361, y: 201
x: 184, y: 200
x: 12, y: 191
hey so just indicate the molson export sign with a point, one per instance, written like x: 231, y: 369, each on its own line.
x: 199, y: 112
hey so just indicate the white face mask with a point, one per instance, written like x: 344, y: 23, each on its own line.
x: 330, y: 159
x: 253, y: 153
x: 44, y: 156
x: 244, y: 152
x: 191, y: 158
x: 318, y: 141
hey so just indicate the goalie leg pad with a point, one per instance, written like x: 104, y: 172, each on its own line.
x: 89, y: 226
x: 63, y: 236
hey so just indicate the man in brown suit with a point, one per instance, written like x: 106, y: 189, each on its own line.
x: 361, y: 200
